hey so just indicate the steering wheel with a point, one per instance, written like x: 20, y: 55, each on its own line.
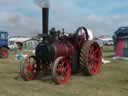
x: 81, y: 35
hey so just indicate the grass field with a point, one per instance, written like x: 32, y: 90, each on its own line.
x: 111, y: 81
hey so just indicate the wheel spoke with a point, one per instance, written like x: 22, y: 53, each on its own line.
x: 62, y: 74
x: 93, y: 59
x: 30, y: 68
x: 96, y: 51
x: 96, y: 59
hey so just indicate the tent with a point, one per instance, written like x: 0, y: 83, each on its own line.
x: 30, y: 44
x: 120, y: 38
x: 26, y: 43
x: 14, y: 42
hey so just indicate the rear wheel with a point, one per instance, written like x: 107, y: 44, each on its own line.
x: 28, y: 68
x: 90, y: 58
x: 61, y: 70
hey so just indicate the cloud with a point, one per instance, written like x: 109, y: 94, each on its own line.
x: 18, y: 24
x: 24, y: 17
x: 98, y: 24
x: 94, y: 15
x: 8, y: 1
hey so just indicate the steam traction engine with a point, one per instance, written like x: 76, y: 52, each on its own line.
x: 62, y: 55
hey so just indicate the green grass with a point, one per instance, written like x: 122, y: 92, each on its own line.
x: 111, y: 81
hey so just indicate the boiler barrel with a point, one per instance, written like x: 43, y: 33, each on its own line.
x: 47, y: 52
x: 63, y: 50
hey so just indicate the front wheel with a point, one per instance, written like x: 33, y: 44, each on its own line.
x: 61, y: 70
x: 28, y: 68
x: 4, y: 52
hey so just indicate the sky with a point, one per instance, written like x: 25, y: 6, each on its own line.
x: 103, y: 17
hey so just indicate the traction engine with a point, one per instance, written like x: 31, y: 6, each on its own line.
x: 61, y: 55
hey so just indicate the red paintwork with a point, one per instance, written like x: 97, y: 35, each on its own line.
x: 4, y: 53
x: 63, y: 71
x: 29, y: 74
x: 30, y: 71
x: 63, y: 49
x: 120, y: 47
x: 94, y: 59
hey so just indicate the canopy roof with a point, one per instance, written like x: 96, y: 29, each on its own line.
x: 122, y: 32
x: 19, y: 39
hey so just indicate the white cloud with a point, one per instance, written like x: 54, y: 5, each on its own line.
x: 18, y: 24
x: 9, y: 2
x: 68, y: 14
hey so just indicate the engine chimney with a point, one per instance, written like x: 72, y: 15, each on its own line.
x: 45, y: 17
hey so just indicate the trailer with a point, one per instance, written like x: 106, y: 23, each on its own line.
x: 3, y: 44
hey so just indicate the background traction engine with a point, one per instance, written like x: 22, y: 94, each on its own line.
x: 63, y: 55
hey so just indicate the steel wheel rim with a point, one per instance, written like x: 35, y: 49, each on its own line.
x: 30, y: 69
x: 94, y: 59
x: 63, y: 71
